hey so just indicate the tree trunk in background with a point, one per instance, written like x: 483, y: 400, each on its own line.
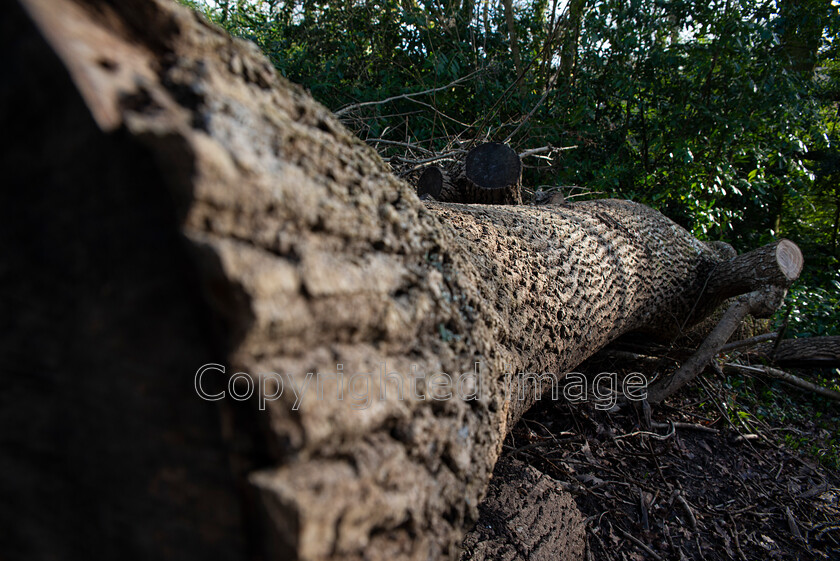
x: 802, y: 30
x: 571, y: 38
x: 512, y: 35
x: 172, y: 202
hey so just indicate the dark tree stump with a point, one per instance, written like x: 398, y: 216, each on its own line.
x: 434, y: 183
x: 490, y: 174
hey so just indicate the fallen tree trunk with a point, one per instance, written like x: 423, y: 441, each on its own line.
x: 183, y: 214
x: 807, y: 352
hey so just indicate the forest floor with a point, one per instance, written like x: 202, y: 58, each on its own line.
x: 731, y: 468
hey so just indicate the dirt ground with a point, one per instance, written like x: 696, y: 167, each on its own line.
x: 727, y: 469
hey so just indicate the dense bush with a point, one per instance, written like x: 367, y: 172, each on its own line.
x: 720, y: 113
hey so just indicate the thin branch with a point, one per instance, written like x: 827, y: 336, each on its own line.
x: 748, y: 342
x: 407, y: 145
x: 447, y: 156
x: 650, y: 434
x: 785, y: 377
x: 685, y: 426
x: 544, y: 149
x: 584, y: 194
x: 641, y: 544
x: 527, y: 117
x: 409, y: 96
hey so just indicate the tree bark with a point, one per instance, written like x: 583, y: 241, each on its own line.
x: 174, y: 203
x: 513, y: 38
x: 525, y: 516
x: 568, y: 55
x: 809, y: 352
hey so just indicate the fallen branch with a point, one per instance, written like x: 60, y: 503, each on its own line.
x: 689, y: 512
x: 406, y: 145
x: 641, y: 544
x: 745, y: 343
x: 685, y: 426
x: 544, y: 149
x: 756, y: 303
x: 785, y: 377
x: 408, y: 96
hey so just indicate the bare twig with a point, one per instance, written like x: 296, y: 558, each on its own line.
x: 689, y: 513
x: 585, y: 194
x: 735, y: 536
x: 785, y: 377
x: 528, y: 116
x: 792, y: 525
x: 748, y: 342
x: 407, y: 145
x: 641, y: 544
x: 446, y: 156
x: 409, y: 96
x: 686, y: 426
x: 544, y: 149
x: 644, y: 510
x: 650, y: 434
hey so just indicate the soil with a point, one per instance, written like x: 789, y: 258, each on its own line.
x: 753, y: 489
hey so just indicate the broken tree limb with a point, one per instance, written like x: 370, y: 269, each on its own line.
x: 767, y: 271
x: 188, y: 220
x: 758, y: 303
x: 777, y: 264
x: 787, y: 378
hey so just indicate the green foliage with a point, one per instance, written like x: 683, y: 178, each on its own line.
x: 808, y: 423
x: 721, y: 113
x: 814, y: 310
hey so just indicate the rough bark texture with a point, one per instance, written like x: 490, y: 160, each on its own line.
x: 769, y: 271
x: 525, y: 517
x: 810, y: 352
x: 775, y: 264
x: 174, y: 202
x: 778, y: 264
x: 759, y: 303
